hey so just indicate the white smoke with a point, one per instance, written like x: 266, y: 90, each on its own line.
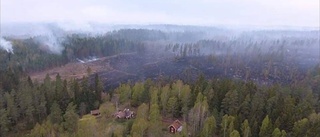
x: 6, y: 45
x: 87, y: 60
x: 50, y: 38
x: 52, y: 43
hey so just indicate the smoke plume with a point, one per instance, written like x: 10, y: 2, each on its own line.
x: 6, y: 45
x: 51, y: 42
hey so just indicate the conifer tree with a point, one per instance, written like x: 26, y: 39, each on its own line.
x: 4, y: 123
x: 71, y: 119
x: 266, y: 127
x: 245, y: 129
x: 276, y: 133
x: 234, y: 133
x: 209, y: 127
x: 98, y: 87
x: 55, y: 114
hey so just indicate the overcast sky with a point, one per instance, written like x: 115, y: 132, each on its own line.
x: 187, y: 12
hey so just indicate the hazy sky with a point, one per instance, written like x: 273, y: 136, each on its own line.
x: 187, y: 12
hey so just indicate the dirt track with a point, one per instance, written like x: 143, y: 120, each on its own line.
x: 77, y: 69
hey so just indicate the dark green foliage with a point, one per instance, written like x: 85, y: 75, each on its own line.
x: 245, y: 129
x: 209, y: 127
x: 86, y: 94
x: 125, y: 93
x: 98, y: 87
x: 63, y: 96
x: 276, y: 132
x: 198, y: 114
x: 266, y: 127
x: 208, y: 107
x: 12, y: 109
x: 138, y: 91
x: 155, y: 121
x: 230, y: 104
x: 40, y: 105
x: 227, y: 125
x: 70, y: 119
x: 75, y: 89
x: 300, y: 127
x: 4, y: 123
x: 172, y: 107
x: 234, y: 133
x: 140, y: 124
x: 32, y: 55
x: 31, y: 103
x: 55, y: 114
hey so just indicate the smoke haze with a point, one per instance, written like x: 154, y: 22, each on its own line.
x: 181, y: 12
x: 6, y: 45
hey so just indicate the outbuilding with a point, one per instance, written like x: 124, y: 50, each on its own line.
x: 175, y: 127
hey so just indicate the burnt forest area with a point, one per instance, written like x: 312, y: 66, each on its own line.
x: 161, y: 80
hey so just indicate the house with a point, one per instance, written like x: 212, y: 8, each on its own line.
x: 126, y: 113
x: 95, y: 112
x: 176, y: 126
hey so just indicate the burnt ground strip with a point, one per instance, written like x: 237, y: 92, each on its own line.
x: 136, y: 67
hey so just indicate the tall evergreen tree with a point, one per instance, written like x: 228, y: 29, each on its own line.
x: 12, y: 109
x: 314, y: 124
x: 198, y: 114
x: 58, y: 87
x: 71, y: 119
x: 164, y: 97
x: 4, y: 123
x: 154, y: 96
x: 230, y: 103
x: 276, y: 133
x: 98, y: 87
x: 125, y: 93
x: 75, y: 89
x: 209, y: 127
x: 234, y: 133
x: 140, y: 124
x: 64, y: 97
x: 266, y: 127
x: 155, y: 121
x: 185, y: 100
x: 172, y: 107
x: 245, y: 129
x: 137, y: 93
x: 55, y: 114
x: 227, y: 125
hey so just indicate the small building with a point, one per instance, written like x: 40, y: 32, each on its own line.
x: 176, y: 126
x: 95, y: 112
x: 126, y: 113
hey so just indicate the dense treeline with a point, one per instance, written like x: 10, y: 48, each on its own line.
x: 158, y: 35
x: 100, y: 46
x: 30, y: 55
x: 41, y: 52
x: 33, y: 54
x: 206, y: 107
x: 28, y: 102
x: 37, y: 53
x: 225, y: 107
